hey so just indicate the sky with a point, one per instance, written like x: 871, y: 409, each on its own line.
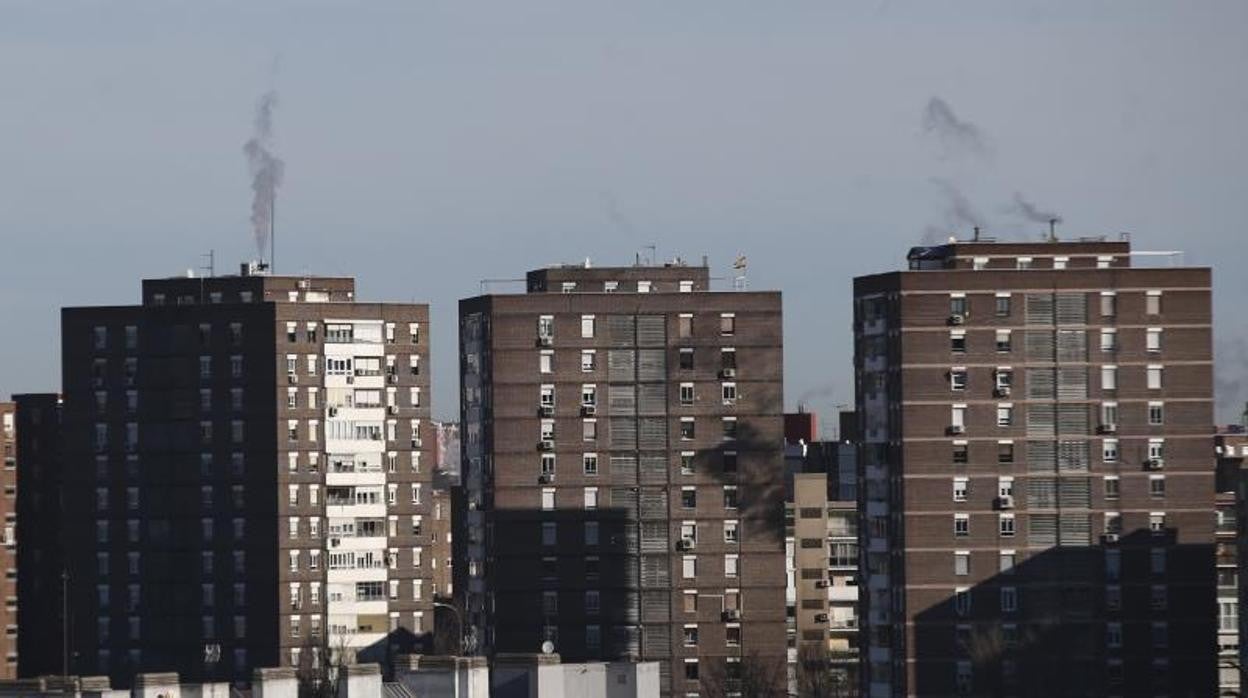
x: 429, y: 145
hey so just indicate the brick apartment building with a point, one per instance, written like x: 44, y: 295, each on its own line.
x: 1038, y: 481
x: 622, y: 470
x: 8, y: 552
x: 243, y: 483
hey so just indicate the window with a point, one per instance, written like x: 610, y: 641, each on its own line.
x: 591, y: 498
x: 588, y: 361
x: 960, y: 488
x: 1152, y: 302
x: 548, y: 498
x: 684, y: 325
x: 731, y: 565
x: 731, y: 500
x: 730, y: 428
x: 548, y: 465
x: 691, y: 635
x: 1158, y: 598
x: 957, y: 418
x: 1113, y: 635
x: 689, y: 497
x: 548, y: 533
x: 962, y: 601
x: 1154, y: 377
x: 691, y: 670
x: 729, y: 462
x: 1109, y: 415
x: 610, y: 286
x: 1060, y: 262
x: 1156, y: 449
x: 589, y: 463
x: 729, y: 391
x: 1113, y: 522
x: 689, y: 566
x: 1109, y: 450
x: 961, y: 525
x: 1157, y: 521
x: 961, y: 563
x: 960, y: 453
x: 957, y: 341
x: 979, y: 263
x: 685, y: 286
x: 1157, y: 485
x: 686, y: 462
x: 1003, y: 304
x: 1156, y: 413
x: 728, y: 359
x: 1109, y: 304
x: 546, y: 361
x: 1005, y: 452
x: 957, y: 304
x: 957, y: 379
x: 568, y: 286
x: 727, y: 324
x: 1111, y: 486
x: 731, y: 531
x: 1005, y: 524
x: 1005, y: 414
x: 1160, y: 635
x: 587, y: 326
x: 1004, y: 345
x: 1005, y: 561
x: 687, y: 432
x: 686, y: 359
x: 1152, y: 340
x: 546, y: 328
x: 589, y: 396
x: 591, y: 533
x: 1005, y: 487
x: 589, y: 430
x: 1109, y: 340
x: 1009, y: 599
x: 1157, y: 560
x: 686, y: 394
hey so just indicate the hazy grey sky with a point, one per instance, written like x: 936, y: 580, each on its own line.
x: 429, y: 145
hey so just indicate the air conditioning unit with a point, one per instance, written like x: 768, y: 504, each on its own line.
x: 546, y: 410
x: 546, y: 445
x: 335, y: 542
x: 728, y: 373
x: 589, y: 410
x: 821, y: 584
x: 1005, y: 501
x: 957, y: 319
x: 393, y: 378
x: 545, y: 341
x: 957, y: 429
x: 732, y: 614
x: 350, y: 380
x: 545, y: 478
x: 1002, y: 391
x: 393, y: 409
x: 821, y: 618
x: 686, y: 544
x: 1155, y: 463
x: 333, y: 411
x: 1109, y: 538
x: 293, y: 378
x: 1109, y: 428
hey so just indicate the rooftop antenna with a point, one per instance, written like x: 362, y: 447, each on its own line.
x: 211, y: 267
x: 1053, y: 230
x: 739, y: 281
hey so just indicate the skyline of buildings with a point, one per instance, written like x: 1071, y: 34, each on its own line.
x: 624, y: 467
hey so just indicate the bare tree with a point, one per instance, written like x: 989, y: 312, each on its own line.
x: 817, y: 678
x: 755, y: 676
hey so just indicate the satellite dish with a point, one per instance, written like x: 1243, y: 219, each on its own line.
x: 548, y: 647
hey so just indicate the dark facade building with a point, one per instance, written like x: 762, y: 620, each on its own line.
x: 40, y: 567
x: 623, y: 473
x: 1037, y: 474
x: 8, y: 553
x: 244, y: 481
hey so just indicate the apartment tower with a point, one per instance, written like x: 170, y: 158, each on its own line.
x: 8, y: 553
x: 243, y: 478
x: 623, y: 473
x: 1038, y: 480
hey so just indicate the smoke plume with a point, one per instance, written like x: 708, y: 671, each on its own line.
x: 1031, y: 212
x: 266, y: 170
x: 955, y: 135
x: 959, y: 213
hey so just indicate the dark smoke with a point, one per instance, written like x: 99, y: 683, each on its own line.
x: 266, y: 170
x: 954, y: 134
x: 1031, y: 212
x: 959, y: 213
x: 818, y: 392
